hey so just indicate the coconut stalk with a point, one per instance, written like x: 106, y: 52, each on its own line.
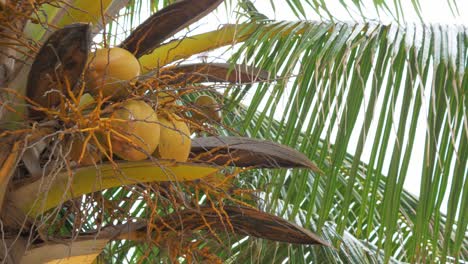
x: 216, y: 72
x: 56, y: 189
x: 227, y: 35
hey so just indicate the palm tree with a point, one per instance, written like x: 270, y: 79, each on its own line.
x: 365, y: 101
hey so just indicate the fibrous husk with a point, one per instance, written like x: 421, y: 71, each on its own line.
x: 206, y: 109
x: 136, y: 131
x: 109, y: 71
x: 58, y: 66
x: 175, y: 139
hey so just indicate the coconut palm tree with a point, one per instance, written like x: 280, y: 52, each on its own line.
x: 371, y: 104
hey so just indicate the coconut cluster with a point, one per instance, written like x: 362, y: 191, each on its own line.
x: 136, y: 130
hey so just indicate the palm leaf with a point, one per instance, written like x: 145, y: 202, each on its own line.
x: 248, y: 152
x: 399, y: 10
x: 232, y: 219
x: 334, y: 99
x: 165, y: 23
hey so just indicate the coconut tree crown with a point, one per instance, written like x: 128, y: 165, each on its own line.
x: 127, y: 152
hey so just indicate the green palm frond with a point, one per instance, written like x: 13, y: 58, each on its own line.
x: 357, y: 9
x: 383, y: 88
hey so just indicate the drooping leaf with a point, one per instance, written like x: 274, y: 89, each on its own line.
x: 166, y: 23
x: 218, y: 72
x: 240, y: 220
x: 247, y: 152
x: 323, y: 115
x: 36, y: 197
x: 233, y: 219
x: 58, y: 66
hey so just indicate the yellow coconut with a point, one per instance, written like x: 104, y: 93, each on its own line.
x: 109, y: 70
x: 136, y: 130
x: 175, y: 142
x: 92, y: 155
x: 207, y: 106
